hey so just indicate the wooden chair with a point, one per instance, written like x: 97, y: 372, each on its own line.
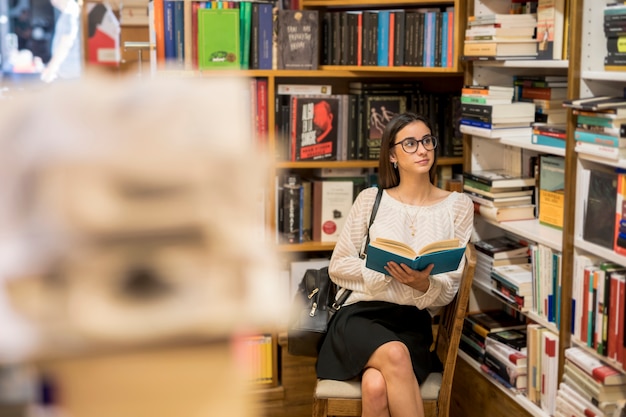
x: 343, y: 398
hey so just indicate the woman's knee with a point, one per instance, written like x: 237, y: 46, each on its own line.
x: 396, y: 353
x: 374, y: 387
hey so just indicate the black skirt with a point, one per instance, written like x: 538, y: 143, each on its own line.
x: 357, y: 330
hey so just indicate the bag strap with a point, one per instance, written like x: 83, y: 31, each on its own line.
x: 346, y: 293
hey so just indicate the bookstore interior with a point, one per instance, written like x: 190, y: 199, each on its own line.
x: 125, y: 292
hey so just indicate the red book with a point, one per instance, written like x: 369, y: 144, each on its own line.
x: 621, y: 283
x: 262, y: 114
x: 584, y: 325
x: 392, y: 34
x: 194, y: 34
x: 591, y: 365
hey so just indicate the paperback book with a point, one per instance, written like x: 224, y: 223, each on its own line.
x: 297, y: 40
x: 445, y: 254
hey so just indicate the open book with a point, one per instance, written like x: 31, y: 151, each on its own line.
x: 445, y: 254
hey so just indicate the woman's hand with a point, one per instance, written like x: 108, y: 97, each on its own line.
x: 415, y: 279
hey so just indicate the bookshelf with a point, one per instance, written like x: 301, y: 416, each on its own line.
x: 592, y: 80
x: 484, y: 153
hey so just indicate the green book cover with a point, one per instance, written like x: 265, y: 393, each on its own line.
x: 218, y: 39
x: 245, y: 10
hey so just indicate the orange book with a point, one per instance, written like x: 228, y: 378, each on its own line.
x: 159, y: 30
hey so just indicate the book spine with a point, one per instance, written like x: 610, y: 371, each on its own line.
x: 546, y: 140
x: 599, y: 139
x: 382, y: 59
x: 169, y: 31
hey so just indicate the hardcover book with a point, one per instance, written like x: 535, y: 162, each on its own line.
x: 591, y: 365
x: 598, y: 226
x: 500, y: 178
x: 314, y: 124
x: 218, y: 38
x: 550, y: 22
x: 378, y: 111
x: 516, y: 338
x: 551, y: 190
x: 492, y: 321
x: 297, y: 40
x: 501, y: 247
x: 332, y: 201
x: 446, y: 255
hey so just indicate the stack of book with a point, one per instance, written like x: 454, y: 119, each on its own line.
x: 489, y: 111
x: 499, y: 195
x: 547, y: 92
x: 500, y: 36
x: 615, y: 32
x: 497, y: 251
x: 514, y: 285
x: 509, y: 363
x: 589, y: 386
x: 480, y: 326
x: 599, y: 129
x: 552, y: 135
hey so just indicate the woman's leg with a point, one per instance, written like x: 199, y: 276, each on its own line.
x: 393, y: 361
x: 374, y: 394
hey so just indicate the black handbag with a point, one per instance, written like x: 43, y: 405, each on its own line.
x: 314, y: 305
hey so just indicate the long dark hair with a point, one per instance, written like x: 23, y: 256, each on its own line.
x: 388, y: 176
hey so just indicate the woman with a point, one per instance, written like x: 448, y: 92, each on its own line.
x: 383, y: 333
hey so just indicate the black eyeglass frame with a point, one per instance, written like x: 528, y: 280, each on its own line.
x: 419, y: 141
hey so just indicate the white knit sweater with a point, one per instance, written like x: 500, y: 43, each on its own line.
x: 449, y: 218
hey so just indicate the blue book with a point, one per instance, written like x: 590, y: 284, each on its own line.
x: 169, y: 31
x: 179, y: 31
x: 599, y: 139
x: 548, y: 141
x: 382, y: 59
x: 444, y: 39
x: 265, y: 35
x: 429, y: 39
x: 445, y: 254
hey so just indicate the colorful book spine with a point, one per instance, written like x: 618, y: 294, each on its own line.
x: 265, y: 36
x: 168, y: 30
x: 545, y: 140
x: 599, y: 139
x: 382, y: 58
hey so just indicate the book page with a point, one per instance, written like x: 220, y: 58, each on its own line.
x: 439, y: 245
x: 394, y: 246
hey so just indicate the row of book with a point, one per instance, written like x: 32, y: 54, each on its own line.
x: 614, y: 17
x: 521, y: 357
x: 235, y: 35
x: 399, y: 37
x: 598, y: 299
x: 315, y: 208
x: 589, y: 387
x: 256, y: 355
x: 536, y: 32
x: 325, y: 126
x: 510, y: 36
x: 524, y: 275
x: 504, y: 111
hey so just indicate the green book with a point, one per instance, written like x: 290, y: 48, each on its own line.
x: 218, y: 39
x: 245, y: 10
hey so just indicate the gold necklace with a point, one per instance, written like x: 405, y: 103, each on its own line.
x: 412, y: 219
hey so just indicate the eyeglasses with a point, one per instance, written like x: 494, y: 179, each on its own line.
x: 410, y: 145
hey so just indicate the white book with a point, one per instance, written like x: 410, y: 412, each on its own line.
x: 300, y: 89
x: 510, y: 132
x: 607, y: 152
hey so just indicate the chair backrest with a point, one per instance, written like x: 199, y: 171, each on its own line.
x: 450, y: 329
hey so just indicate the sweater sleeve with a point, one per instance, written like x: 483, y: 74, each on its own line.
x: 346, y: 268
